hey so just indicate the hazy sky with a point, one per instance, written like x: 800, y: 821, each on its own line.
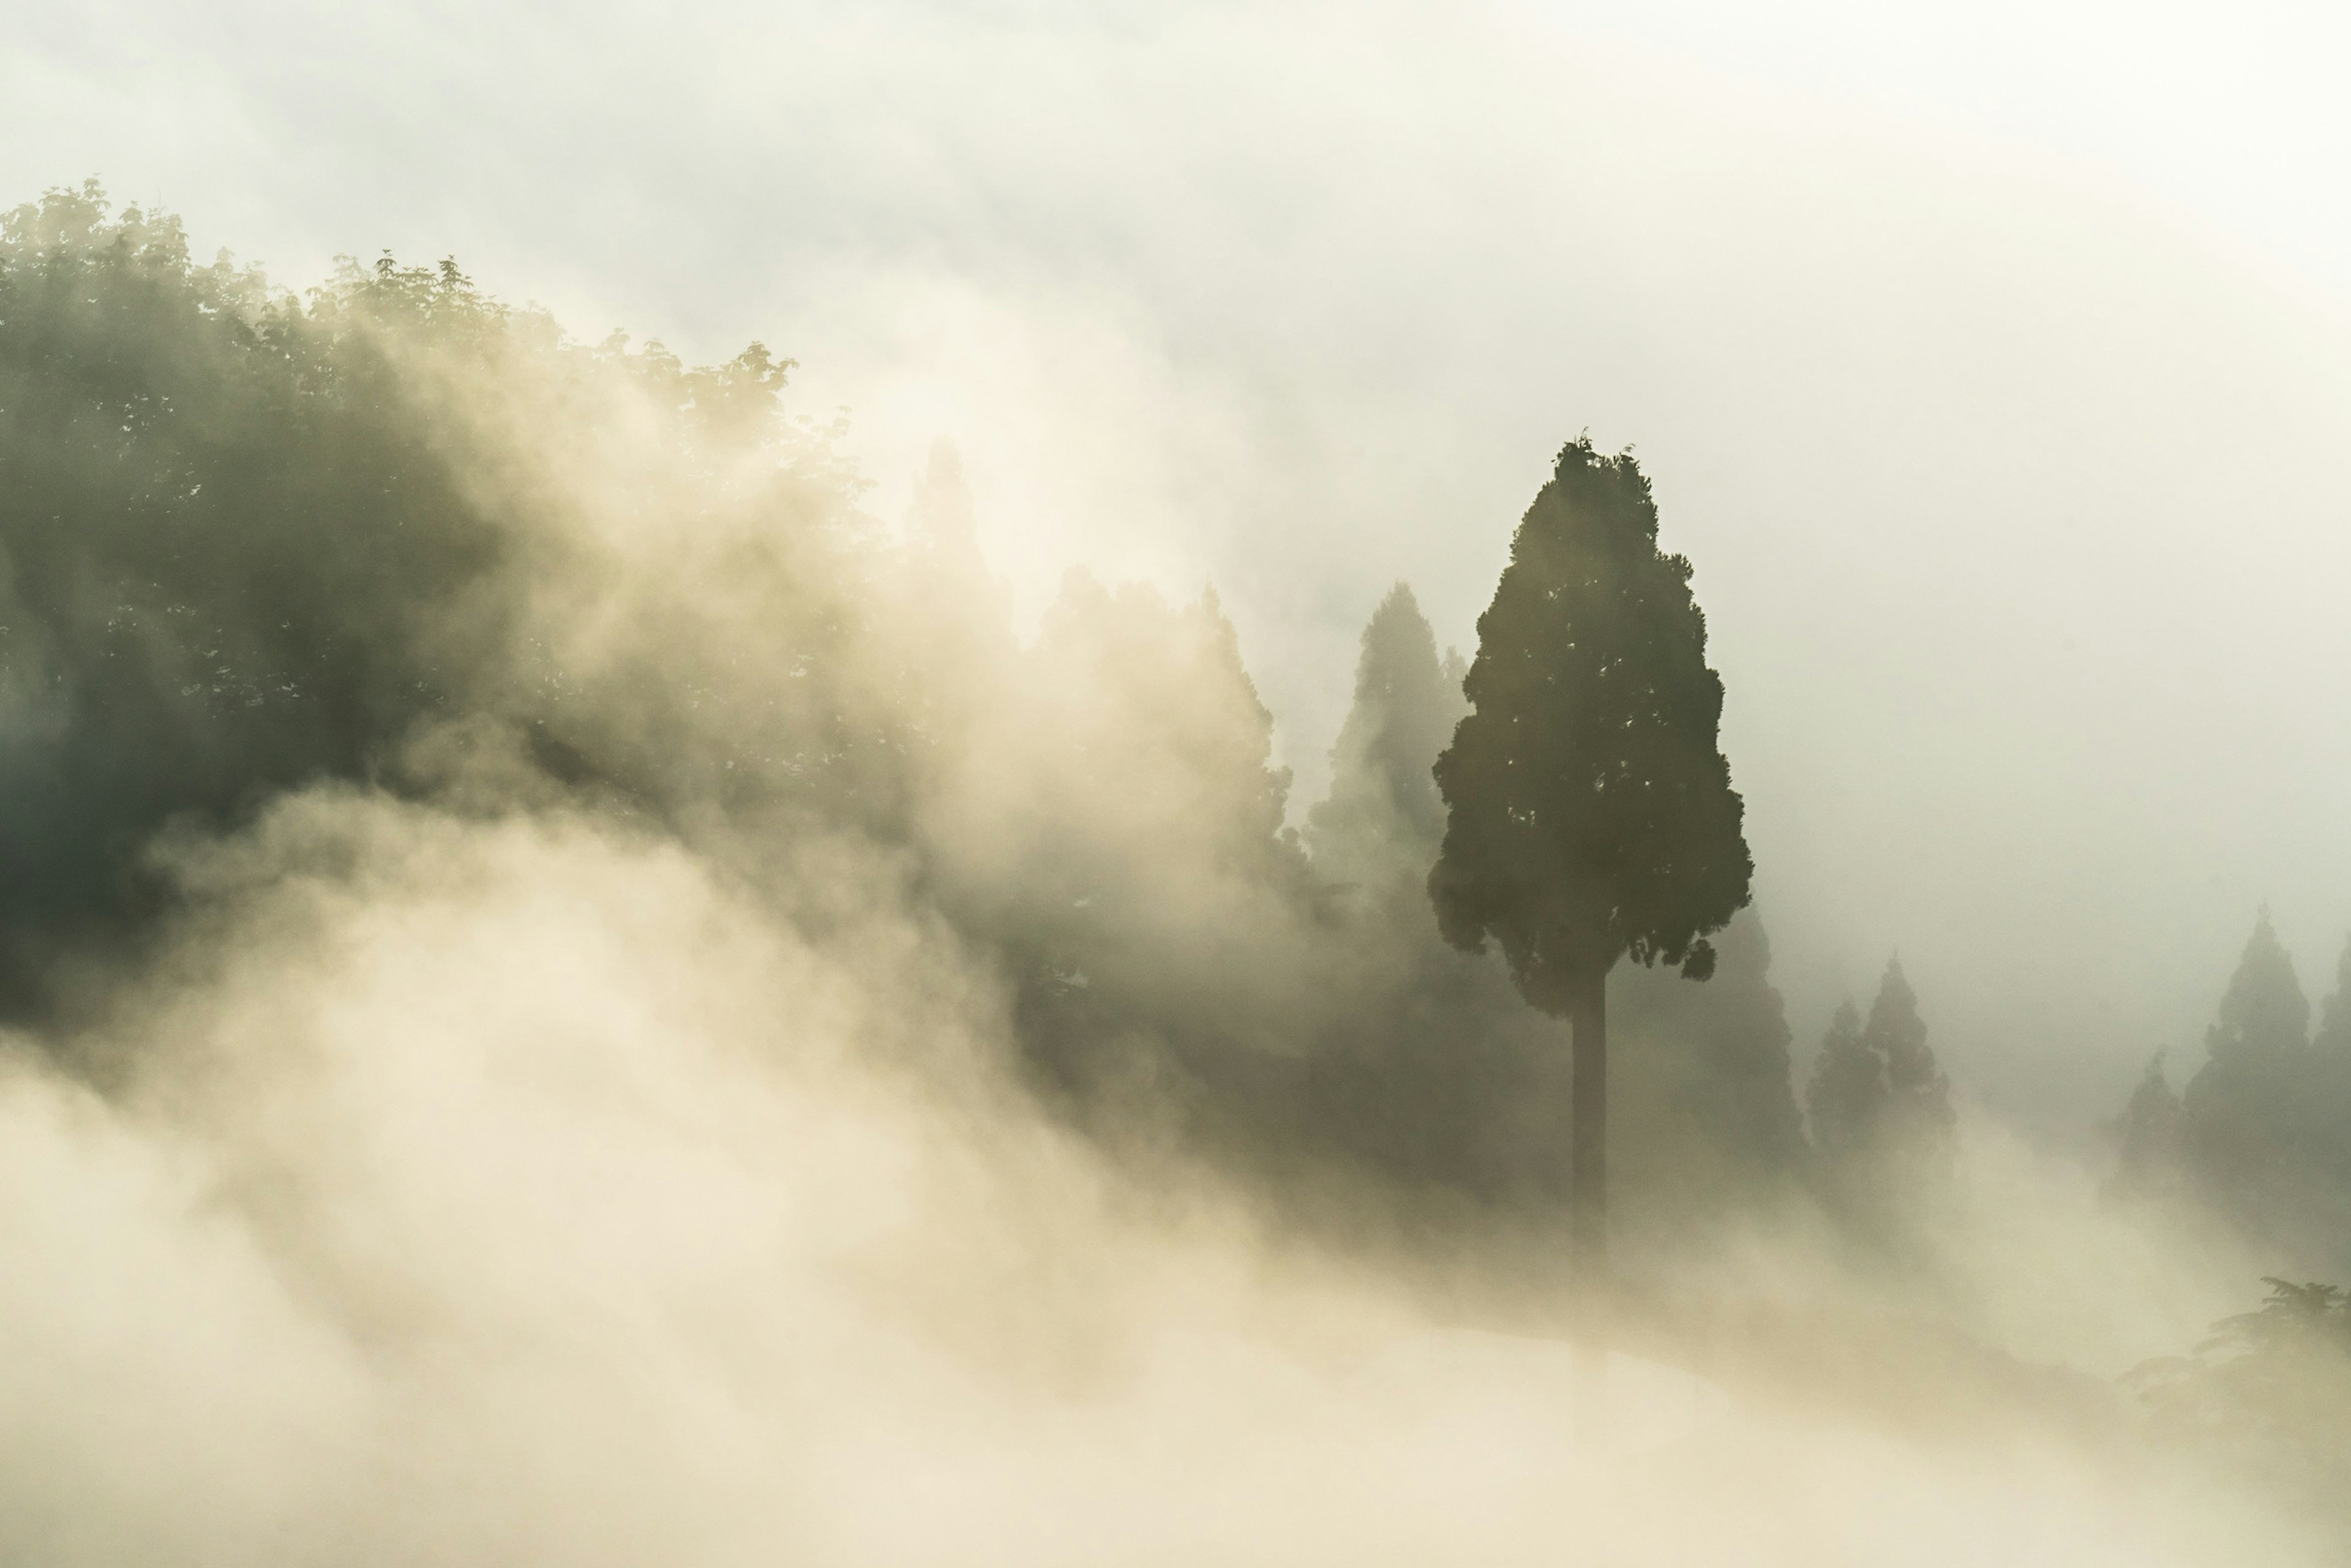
x: 1989, y: 361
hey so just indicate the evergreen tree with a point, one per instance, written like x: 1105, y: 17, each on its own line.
x: 1918, y: 1113
x: 2264, y: 1018
x: 2246, y: 1106
x: 1848, y: 1092
x: 1382, y: 815
x: 1590, y: 813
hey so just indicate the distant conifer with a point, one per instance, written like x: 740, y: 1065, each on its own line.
x: 1847, y: 1095
x: 1383, y: 814
x: 1917, y: 1097
x: 2246, y: 1109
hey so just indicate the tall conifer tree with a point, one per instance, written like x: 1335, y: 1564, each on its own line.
x: 1590, y: 813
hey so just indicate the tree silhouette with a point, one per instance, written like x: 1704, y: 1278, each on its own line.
x: 1848, y: 1089
x: 1383, y: 814
x: 1590, y: 813
x: 1918, y: 1113
x: 1881, y: 1108
x: 2245, y: 1104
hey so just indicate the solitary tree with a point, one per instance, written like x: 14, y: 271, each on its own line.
x: 1591, y: 815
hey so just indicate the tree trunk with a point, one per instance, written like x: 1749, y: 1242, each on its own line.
x: 1588, y: 1131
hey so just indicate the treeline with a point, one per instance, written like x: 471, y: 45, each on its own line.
x: 397, y: 534
x: 2261, y: 1134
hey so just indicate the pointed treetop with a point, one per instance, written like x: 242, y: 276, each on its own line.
x: 2263, y: 1015
x: 1898, y: 1034
x: 1384, y: 815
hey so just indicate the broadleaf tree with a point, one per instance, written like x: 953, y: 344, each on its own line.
x: 1590, y: 813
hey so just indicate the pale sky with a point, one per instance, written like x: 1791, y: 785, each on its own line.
x: 1989, y: 361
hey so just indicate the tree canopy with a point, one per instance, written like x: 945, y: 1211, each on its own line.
x: 1590, y: 813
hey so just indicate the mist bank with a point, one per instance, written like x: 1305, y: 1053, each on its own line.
x: 578, y: 997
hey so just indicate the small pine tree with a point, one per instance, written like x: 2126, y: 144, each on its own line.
x: 1919, y: 1114
x: 1876, y: 1092
x: 2264, y: 1017
x: 1848, y: 1092
x: 1382, y: 815
x: 2246, y: 1106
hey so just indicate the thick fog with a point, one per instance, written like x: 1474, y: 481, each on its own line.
x: 616, y: 962
x: 1988, y: 363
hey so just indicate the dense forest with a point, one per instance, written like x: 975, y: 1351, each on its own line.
x: 395, y: 537
x: 302, y: 548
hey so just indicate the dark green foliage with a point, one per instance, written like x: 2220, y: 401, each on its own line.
x: 247, y: 542
x: 396, y: 530
x: 1590, y: 813
x: 1382, y: 815
x: 234, y: 559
